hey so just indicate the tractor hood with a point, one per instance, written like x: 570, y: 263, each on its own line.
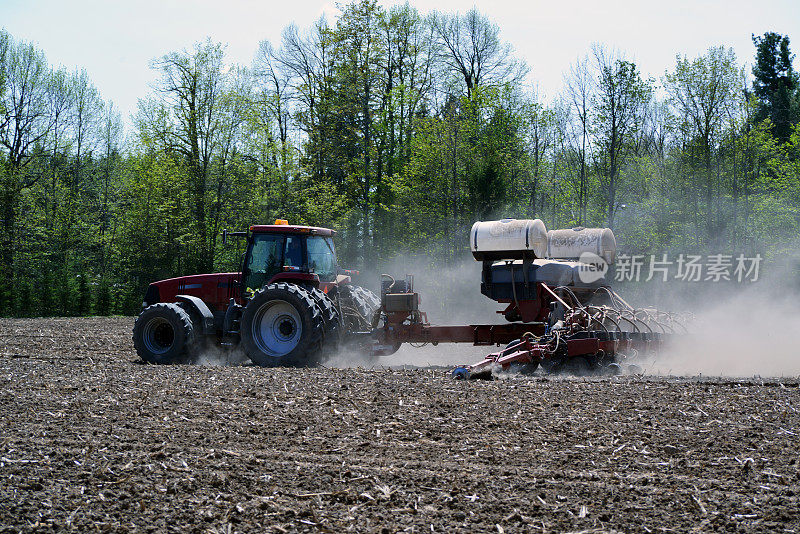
x: 215, y: 290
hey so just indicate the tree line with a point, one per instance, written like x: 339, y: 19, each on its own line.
x: 397, y: 129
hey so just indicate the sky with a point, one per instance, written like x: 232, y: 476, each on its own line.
x: 115, y: 41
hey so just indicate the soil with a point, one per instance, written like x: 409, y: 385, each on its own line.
x: 93, y: 440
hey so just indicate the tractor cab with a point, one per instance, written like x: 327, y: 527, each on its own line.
x: 283, y: 252
x: 289, y: 305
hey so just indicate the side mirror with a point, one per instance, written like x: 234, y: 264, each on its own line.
x: 226, y: 233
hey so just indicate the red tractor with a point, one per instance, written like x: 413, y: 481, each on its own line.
x: 289, y: 305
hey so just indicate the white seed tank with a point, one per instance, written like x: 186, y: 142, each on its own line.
x: 508, y: 239
x: 571, y: 243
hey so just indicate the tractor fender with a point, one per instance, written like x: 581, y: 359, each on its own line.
x: 311, y: 279
x: 196, y: 304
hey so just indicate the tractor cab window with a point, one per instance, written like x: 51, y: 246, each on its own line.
x: 293, y: 256
x: 263, y: 260
x: 322, y: 258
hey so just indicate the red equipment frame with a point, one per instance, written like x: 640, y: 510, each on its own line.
x: 574, y: 338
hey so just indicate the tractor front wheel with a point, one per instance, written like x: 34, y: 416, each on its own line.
x: 282, y: 326
x: 163, y: 333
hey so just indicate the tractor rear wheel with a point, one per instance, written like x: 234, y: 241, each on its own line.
x: 330, y: 320
x: 282, y: 325
x: 370, y: 298
x: 163, y: 333
x: 358, y: 306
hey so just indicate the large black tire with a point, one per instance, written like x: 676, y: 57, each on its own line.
x: 200, y: 344
x: 332, y: 330
x: 371, y: 299
x: 163, y: 333
x: 359, y: 305
x: 282, y: 326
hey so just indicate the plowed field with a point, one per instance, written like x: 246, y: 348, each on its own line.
x: 92, y: 440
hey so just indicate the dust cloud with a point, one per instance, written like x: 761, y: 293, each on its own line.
x: 450, y: 295
x: 736, y: 330
x: 754, y: 333
x: 218, y: 356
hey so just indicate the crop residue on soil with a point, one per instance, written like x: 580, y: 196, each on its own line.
x: 90, y: 439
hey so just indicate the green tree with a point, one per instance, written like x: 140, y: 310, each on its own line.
x: 622, y: 97
x: 184, y: 119
x: 24, y: 125
x: 538, y: 130
x: 580, y: 86
x: 776, y: 84
x: 701, y: 91
x: 305, y: 60
x: 358, y: 54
